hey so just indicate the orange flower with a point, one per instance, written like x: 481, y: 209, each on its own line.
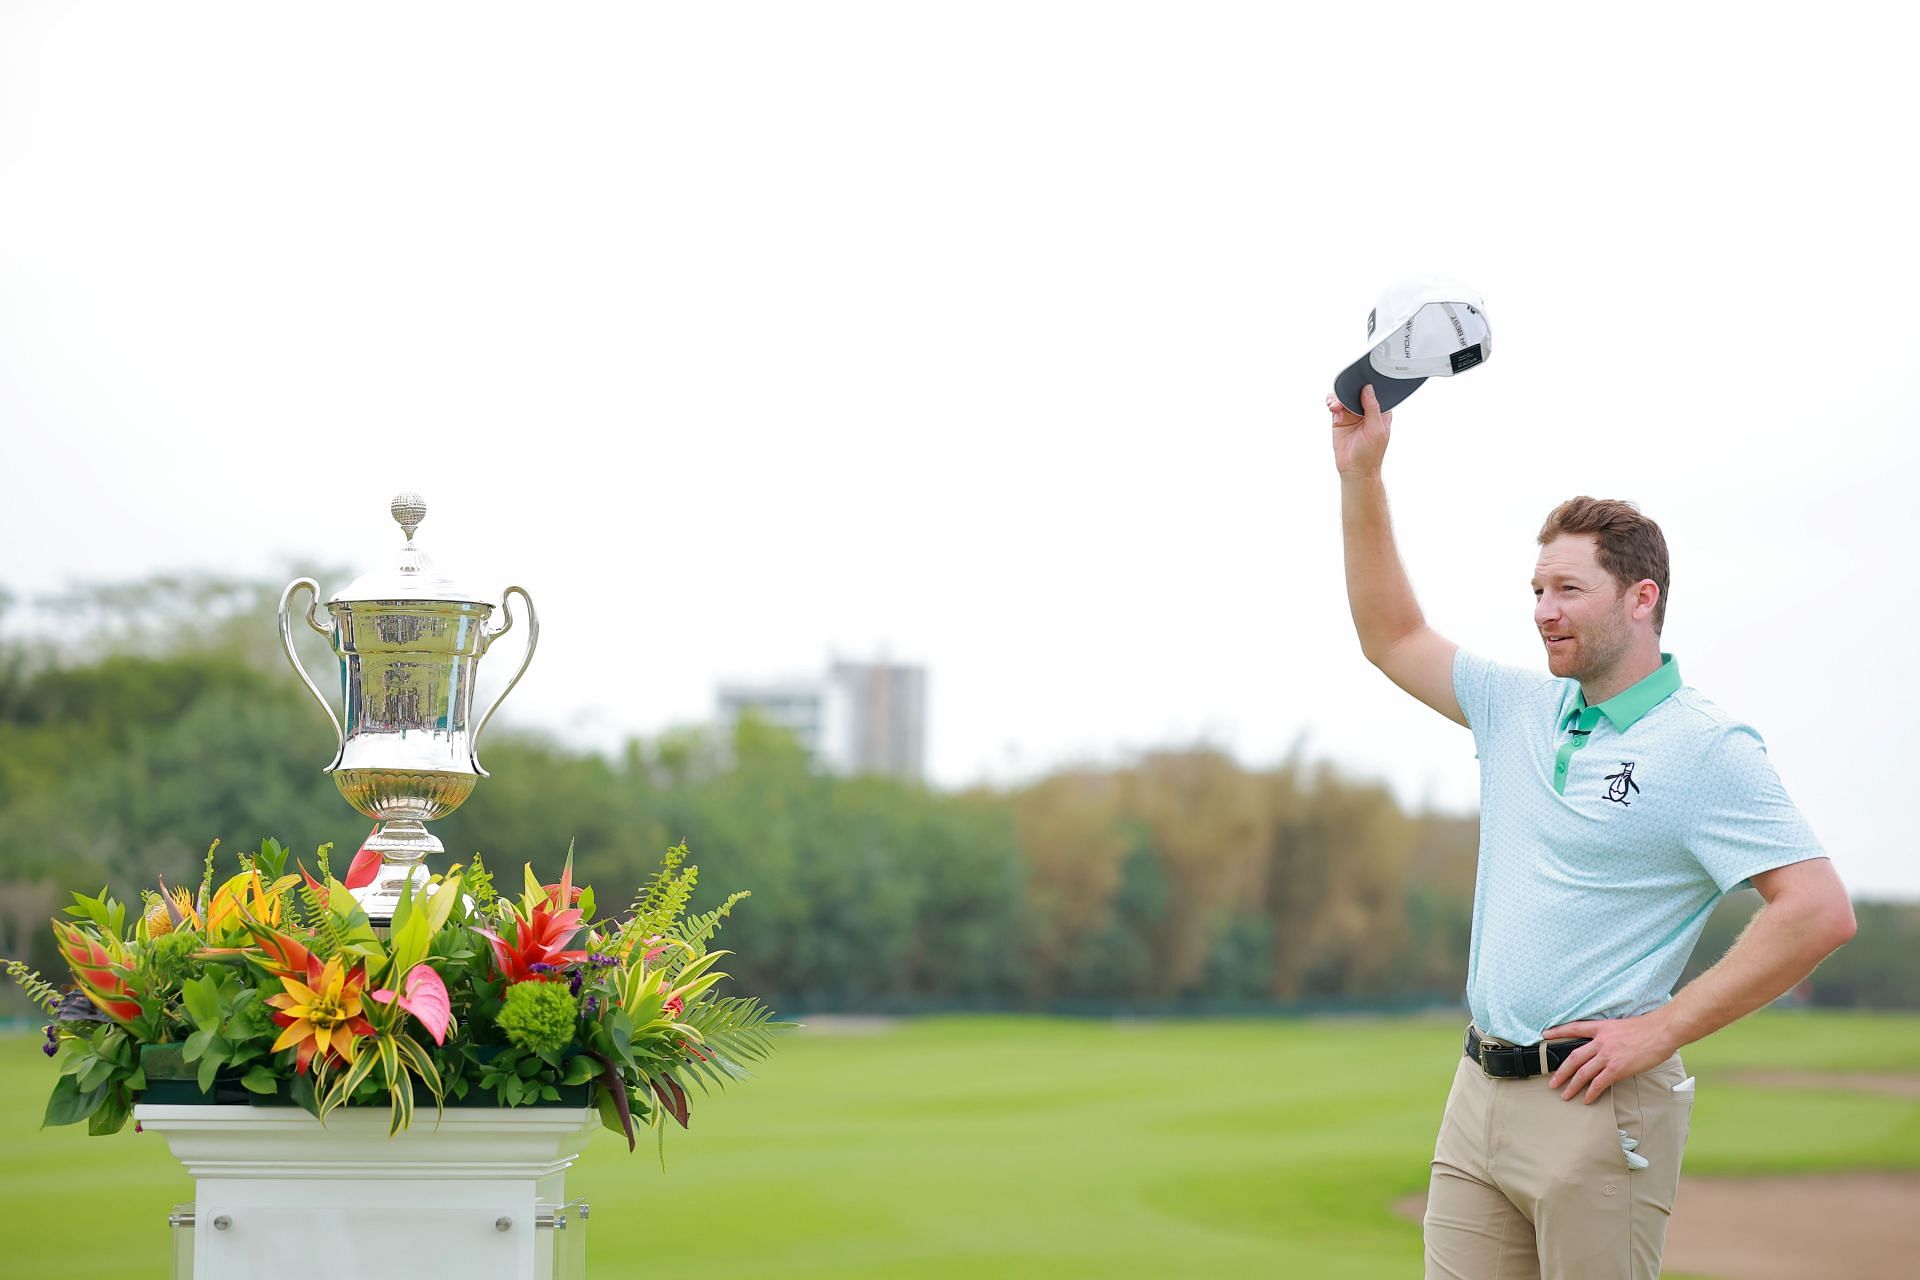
x: 278, y: 954
x: 321, y: 1015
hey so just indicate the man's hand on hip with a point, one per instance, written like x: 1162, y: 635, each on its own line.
x: 1620, y: 1048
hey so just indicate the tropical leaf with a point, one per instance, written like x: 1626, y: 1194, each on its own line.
x: 38, y: 989
x: 400, y: 1095
x: 659, y: 905
x: 420, y: 1063
x: 337, y: 1093
x: 696, y: 930
x: 440, y: 906
x: 70, y: 1103
x: 735, y: 1027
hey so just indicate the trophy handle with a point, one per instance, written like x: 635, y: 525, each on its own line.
x: 533, y: 638
x: 286, y: 638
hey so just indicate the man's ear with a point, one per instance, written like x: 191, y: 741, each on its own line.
x: 1644, y: 596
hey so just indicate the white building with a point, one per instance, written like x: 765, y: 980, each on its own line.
x: 861, y: 717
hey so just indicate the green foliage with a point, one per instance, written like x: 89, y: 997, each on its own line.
x: 659, y: 905
x: 231, y: 1026
x: 732, y: 1031
x: 44, y: 995
x: 315, y: 913
x: 697, y: 931
x: 99, y: 1076
x: 167, y: 962
x: 539, y: 1016
x: 479, y: 882
x: 103, y: 912
x: 206, y: 874
x: 521, y: 1077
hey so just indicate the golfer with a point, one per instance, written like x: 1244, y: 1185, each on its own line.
x: 1617, y: 807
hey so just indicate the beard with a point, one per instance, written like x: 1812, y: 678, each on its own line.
x: 1594, y: 651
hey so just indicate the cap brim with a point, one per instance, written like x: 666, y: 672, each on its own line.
x: 1361, y: 373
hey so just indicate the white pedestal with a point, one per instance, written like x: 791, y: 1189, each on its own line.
x: 278, y: 1194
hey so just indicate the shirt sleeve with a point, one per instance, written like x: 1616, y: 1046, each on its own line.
x: 1483, y: 687
x: 1744, y: 820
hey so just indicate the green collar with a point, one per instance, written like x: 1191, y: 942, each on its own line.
x: 1627, y: 706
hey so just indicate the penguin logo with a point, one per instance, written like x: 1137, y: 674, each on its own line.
x: 1619, y: 784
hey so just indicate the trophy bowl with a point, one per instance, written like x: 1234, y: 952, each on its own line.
x: 414, y: 797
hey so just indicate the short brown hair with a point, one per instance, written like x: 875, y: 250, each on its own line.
x: 1629, y: 546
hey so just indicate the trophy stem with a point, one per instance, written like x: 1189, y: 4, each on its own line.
x: 403, y: 844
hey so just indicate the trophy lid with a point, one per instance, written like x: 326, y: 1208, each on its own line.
x: 415, y: 577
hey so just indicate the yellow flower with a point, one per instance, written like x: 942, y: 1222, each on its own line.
x: 321, y: 1015
x: 170, y: 909
x: 244, y: 894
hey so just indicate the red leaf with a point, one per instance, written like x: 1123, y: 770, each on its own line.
x: 675, y: 1102
x: 365, y: 867
x: 617, y: 1090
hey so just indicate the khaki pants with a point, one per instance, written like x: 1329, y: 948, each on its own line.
x: 1527, y: 1185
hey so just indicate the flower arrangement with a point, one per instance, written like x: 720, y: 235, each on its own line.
x: 277, y: 985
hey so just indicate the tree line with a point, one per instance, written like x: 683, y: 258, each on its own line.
x: 1179, y: 880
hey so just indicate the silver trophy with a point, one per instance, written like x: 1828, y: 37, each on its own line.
x: 409, y: 641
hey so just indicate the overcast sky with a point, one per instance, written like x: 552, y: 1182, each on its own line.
x: 990, y: 336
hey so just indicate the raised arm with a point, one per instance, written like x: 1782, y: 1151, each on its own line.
x: 1393, y: 632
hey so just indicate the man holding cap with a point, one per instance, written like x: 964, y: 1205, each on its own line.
x: 1617, y: 807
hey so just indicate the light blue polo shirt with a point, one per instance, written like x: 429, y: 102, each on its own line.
x: 1607, y: 834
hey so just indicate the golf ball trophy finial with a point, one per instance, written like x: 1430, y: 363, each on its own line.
x: 410, y: 509
x: 409, y: 641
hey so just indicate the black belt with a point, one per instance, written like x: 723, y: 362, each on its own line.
x: 1518, y: 1062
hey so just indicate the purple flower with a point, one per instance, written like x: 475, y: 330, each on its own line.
x: 52, y: 1046
x: 541, y: 967
x: 573, y: 983
x: 591, y: 1008
x: 75, y: 1007
x: 600, y: 961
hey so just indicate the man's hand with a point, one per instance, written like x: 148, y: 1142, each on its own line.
x: 1359, y: 443
x: 1807, y: 915
x: 1620, y: 1048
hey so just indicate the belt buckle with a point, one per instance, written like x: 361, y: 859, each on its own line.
x: 1515, y: 1064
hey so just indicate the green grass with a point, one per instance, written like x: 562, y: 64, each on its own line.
x: 1011, y: 1147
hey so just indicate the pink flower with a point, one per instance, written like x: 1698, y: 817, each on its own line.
x: 424, y: 995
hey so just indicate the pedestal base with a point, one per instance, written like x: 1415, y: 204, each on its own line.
x: 475, y: 1197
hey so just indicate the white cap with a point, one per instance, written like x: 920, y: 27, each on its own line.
x: 1426, y: 327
